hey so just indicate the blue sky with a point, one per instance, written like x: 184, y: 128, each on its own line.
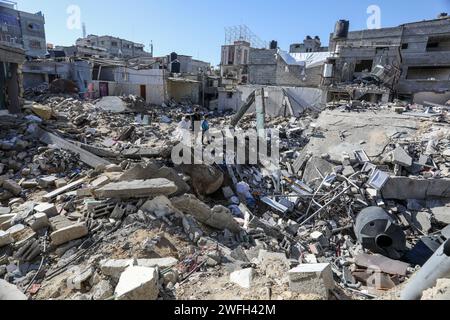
x: 196, y: 27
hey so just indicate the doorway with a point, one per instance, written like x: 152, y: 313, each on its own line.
x: 104, y: 89
x: 144, y: 92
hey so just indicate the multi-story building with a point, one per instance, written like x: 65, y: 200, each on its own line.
x: 234, y: 62
x: 415, y: 57
x: 115, y: 47
x: 23, y: 30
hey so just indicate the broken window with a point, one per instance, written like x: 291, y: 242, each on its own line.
x: 114, y: 44
x: 405, y: 46
x: 34, y: 44
x: 363, y: 65
x: 429, y: 73
x: 231, y: 55
x: 438, y: 44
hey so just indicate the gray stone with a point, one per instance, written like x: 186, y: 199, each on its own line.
x: 159, y: 206
x: 401, y: 157
x: 70, y: 233
x: 6, y: 217
x: 243, y: 278
x: 102, y: 290
x: 12, y: 186
x: 5, y: 238
x: 80, y: 279
x: 114, y: 267
x: 136, y: 189
x: 38, y: 221
x: 314, y: 279
x: 403, y: 188
x: 47, y: 182
x: 219, y: 217
x: 162, y: 263
x: 48, y: 208
x: 4, y: 210
x: 10, y: 292
x: 138, y: 283
x: 441, y: 214
x: 30, y: 184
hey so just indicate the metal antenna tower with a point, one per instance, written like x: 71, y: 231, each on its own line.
x: 243, y: 33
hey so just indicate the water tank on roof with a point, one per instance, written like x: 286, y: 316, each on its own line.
x: 341, y: 29
x: 273, y: 44
x: 173, y: 56
x: 175, y: 67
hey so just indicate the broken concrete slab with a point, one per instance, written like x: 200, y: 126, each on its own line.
x: 6, y: 217
x: 136, y: 189
x: 160, y: 206
x: 38, y: 221
x: 10, y: 292
x: 219, y: 217
x: 112, y: 104
x: 73, y: 232
x: 12, y: 186
x: 243, y: 278
x: 206, y: 180
x: 5, y: 238
x: 314, y: 279
x: 138, y: 283
x: 48, y: 208
x: 404, y: 188
x: 316, y: 169
x: 114, y: 267
x: 378, y: 262
x: 401, y: 157
x: 102, y: 290
x: 162, y: 263
x: 47, y: 182
x: 441, y: 214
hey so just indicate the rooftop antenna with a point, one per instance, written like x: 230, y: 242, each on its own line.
x: 84, y: 30
x: 151, y: 48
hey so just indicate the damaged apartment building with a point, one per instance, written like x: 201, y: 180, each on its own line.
x: 157, y: 80
x: 409, y: 62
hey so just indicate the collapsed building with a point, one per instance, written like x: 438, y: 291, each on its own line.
x: 93, y: 205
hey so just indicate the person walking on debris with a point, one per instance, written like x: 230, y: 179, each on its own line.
x: 183, y: 128
x: 196, y: 118
x: 205, y: 129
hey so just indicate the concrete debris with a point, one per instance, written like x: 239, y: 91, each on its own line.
x: 137, y: 283
x: 314, y: 279
x: 92, y: 202
x: 243, y: 278
x: 10, y: 292
x: 69, y: 233
x: 136, y: 189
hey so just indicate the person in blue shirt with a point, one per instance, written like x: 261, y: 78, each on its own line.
x: 205, y: 129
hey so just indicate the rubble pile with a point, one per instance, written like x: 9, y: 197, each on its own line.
x: 92, y: 207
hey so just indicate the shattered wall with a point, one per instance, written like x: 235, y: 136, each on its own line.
x: 299, y: 97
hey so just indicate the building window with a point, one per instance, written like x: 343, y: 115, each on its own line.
x: 438, y: 44
x: 245, y: 56
x: 35, y: 44
x: 102, y: 43
x: 114, y: 44
x: 124, y: 76
x: 429, y: 73
x: 33, y: 27
x: 363, y: 65
x: 405, y: 46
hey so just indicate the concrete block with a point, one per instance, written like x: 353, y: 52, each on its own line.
x: 162, y: 263
x: 48, y: 208
x: 39, y: 221
x: 10, y: 292
x: 441, y: 214
x: 114, y: 267
x: 401, y: 157
x: 47, y: 182
x: 102, y: 290
x: 60, y: 183
x: 136, y: 189
x: 6, y: 217
x: 69, y: 233
x: 12, y: 187
x: 138, y: 283
x: 243, y: 278
x: 4, y: 210
x: 314, y: 279
x: 5, y: 238
x: 100, y: 182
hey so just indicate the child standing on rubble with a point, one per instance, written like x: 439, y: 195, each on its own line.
x: 205, y: 129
